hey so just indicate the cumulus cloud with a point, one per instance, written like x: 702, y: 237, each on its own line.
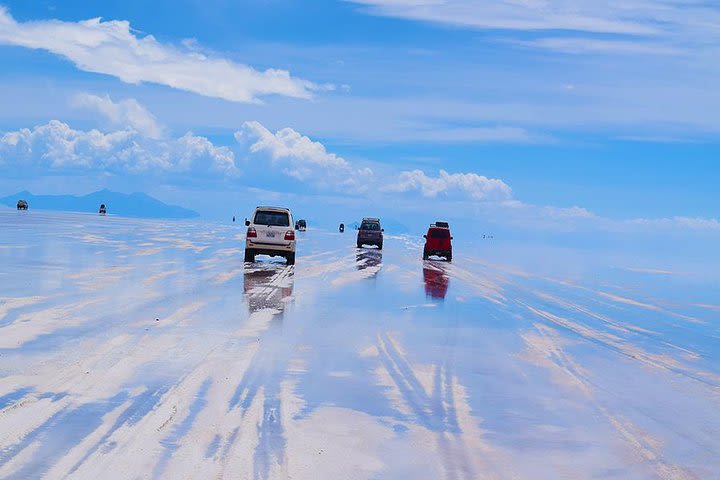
x: 300, y: 157
x: 56, y: 146
x: 125, y: 113
x: 472, y: 185
x: 112, y: 48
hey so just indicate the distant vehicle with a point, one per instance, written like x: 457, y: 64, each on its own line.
x: 438, y: 241
x: 270, y: 233
x: 102, y: 210
x: 370, y: 233
x: 342, y: 227
x: 22, y: 205
x: 301, y: 225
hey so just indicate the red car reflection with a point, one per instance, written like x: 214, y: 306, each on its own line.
x: 436, y: 281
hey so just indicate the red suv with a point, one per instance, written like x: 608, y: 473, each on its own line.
x: 438, y: 241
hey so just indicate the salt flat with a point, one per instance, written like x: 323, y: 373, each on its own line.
x: 147, y: 349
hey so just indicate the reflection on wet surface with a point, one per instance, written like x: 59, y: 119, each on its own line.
x: 368, y: 258
x: 128, y: 351
x: 268, y: 285
x: 436, y: 280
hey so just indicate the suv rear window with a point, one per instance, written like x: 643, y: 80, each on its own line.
x: 370, y: 226
x: 273, y: 219
x: 439, y: 233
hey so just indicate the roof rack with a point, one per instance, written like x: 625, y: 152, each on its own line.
x: 371, y: 219
x: 267, y: 207
x: 440, y: 224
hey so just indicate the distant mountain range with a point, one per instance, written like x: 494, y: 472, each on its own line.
x: 137, y: 205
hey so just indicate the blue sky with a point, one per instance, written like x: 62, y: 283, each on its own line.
x: 540, y: 113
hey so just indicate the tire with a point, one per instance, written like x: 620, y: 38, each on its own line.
x: 379, y: 246
x: 425, y: 255
x: 359, y: 245
x: 290, y: 258
x: 448, y: 257
x: 249, y: 256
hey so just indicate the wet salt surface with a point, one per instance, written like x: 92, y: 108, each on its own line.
x: 147, y: 349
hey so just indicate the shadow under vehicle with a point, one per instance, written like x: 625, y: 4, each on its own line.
x: 268, y: 286
x: 22, y: 205
x: 436, y: 281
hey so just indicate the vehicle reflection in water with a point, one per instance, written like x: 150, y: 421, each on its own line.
x: 436, y: 280
x: 268, y: 286
x: 369, y: 259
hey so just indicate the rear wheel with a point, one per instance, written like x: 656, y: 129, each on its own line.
x: 249, y: 255
x: 359, y: 245
x: 290, y: 257
x: 379, y: 246
x: 425, y: 255
x: 448, y: 257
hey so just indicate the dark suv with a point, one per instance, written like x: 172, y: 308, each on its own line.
x: 370, y: 233
x: 438, y: 241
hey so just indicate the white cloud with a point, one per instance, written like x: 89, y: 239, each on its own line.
x: 428, y: 132
x: 679, y: 29
x: 681, y: 223
x: 582, y: 15
x: 125, y: 113
x: 597, y: 46
x: 111, y: 47
x: 56, y: 146
x: 629, y: 17
x: 300, y: 157
x: 472, y: 185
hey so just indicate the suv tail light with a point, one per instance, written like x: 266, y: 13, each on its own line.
x: 290, y: 235
x: 251, y: 233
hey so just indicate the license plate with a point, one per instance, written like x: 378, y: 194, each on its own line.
x: 270, y: 234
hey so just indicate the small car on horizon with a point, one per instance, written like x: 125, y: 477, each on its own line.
x: 370, y: 233
x: 22, y: 205
x: 270, y: 232
x: 438, y: 241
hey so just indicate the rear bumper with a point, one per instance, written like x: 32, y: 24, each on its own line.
x: 271, y: 249
x: 370, y: 242
x: 439, y: 253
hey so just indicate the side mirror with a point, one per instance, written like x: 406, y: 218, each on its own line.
x: 451, y: 238
x: 382, y: 229
x: 424, y: 236
x: 247, y: 222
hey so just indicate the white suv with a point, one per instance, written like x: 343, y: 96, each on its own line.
x: 270, y: 232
